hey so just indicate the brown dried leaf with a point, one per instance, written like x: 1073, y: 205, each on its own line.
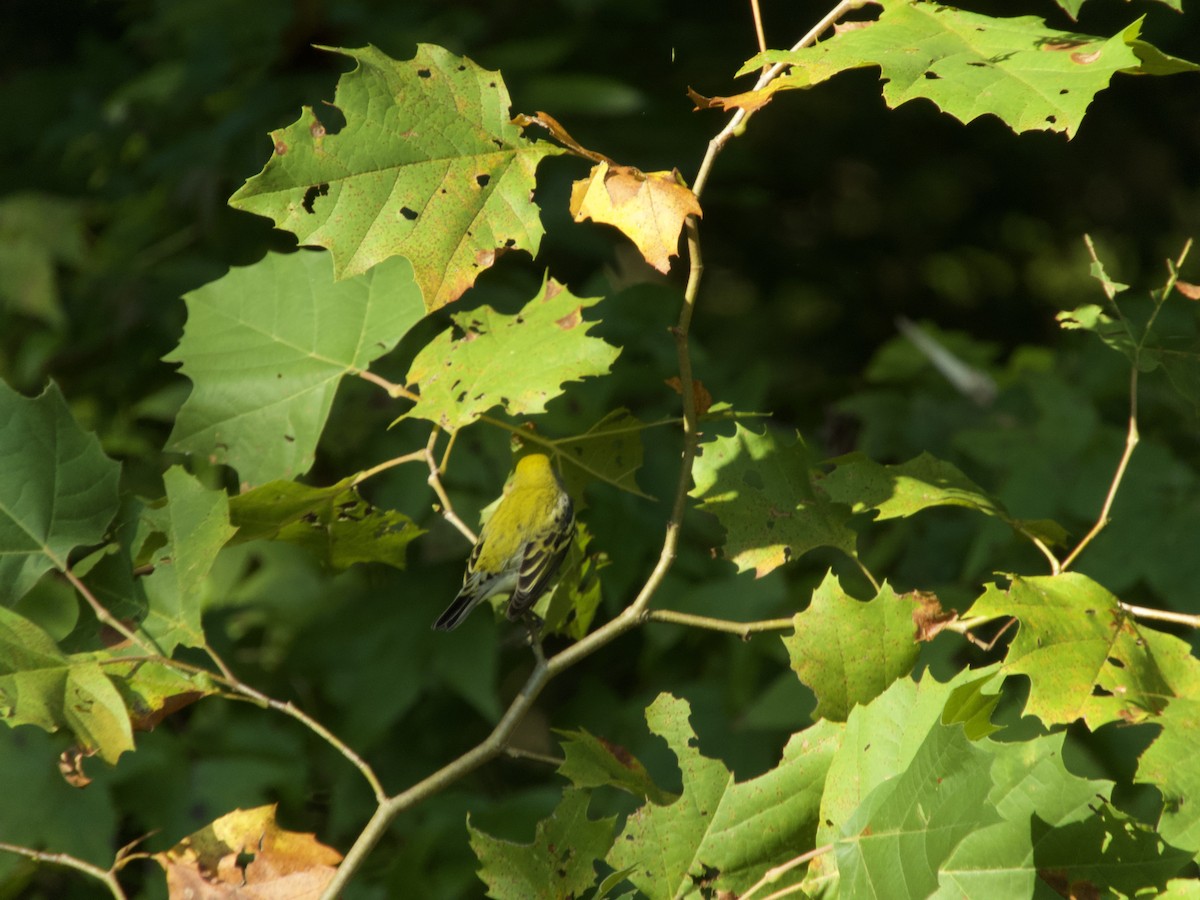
x: 1191, y: 291
x: 928, y: 616
x: 649, y: 208
x: 700, y: 394
x: 247, y: 856
x: 70, y: 766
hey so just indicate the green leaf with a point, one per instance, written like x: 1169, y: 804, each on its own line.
x: 904, y: 489
x: 1029, y: 783
x: 717, y: 827
x: 37, y: 233
x: 1085, y: 656
x: 428, y: 166
x: 266, y: 346
x: 333, y: 523
x: 571, y: 606
x: 151, y: 691
x: 1172, y: 765
x: 557, y: 865
x: 761, y: 490
x: 1030, y: 76
x: 609, y: 451
x: 518, y: 362
x: 592, y: 762
x: 882, y: 738
x: 41, y: 686
x: 895, y: 843
x: 195, y: 522
x: 847, y: 651
x: 58, y: 490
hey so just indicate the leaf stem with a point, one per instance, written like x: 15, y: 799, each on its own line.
x: 108, y: 877
x: 415, y: 456
x: 742, y: 629
x: 1191, y: 620
x: 105, y: 616
x: 394, y: 390
x: 773, y: 875
x: 435, y: 482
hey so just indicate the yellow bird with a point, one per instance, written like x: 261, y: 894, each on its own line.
x: 521, y: 546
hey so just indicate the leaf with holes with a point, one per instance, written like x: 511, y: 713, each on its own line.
x: 518, y: 362
x: 1030, y: 76
x: 560, y: 862
x: 58, y: 490
x: 718, y: 831
x: 1084, y: 655
x: 428, y: 166
x: 761, y: 489
x: 246, y: 854
x: 40, y: 685
x: 648, y: 208
x: 266, y: 347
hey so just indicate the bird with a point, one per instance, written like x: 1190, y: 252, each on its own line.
x: 521, y: 546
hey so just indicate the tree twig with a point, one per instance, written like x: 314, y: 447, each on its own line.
x: 394, y: 390
x: 774, y: 874
x: 1191, y: 620
x: 742, y: 629
x: 435, y: 482
x: 108, y: 877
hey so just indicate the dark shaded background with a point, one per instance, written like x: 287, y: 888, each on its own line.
x: 829, y: 218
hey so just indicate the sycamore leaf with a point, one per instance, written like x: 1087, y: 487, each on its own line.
x: 898, y: 839
x: 428, y: 166
x: 592, y: 762
x: 38, y: 232
x: 718, y: 832
x: 609, y: 451
x: 904, y: 489
x: 647, y: 207
x: 1172, y: 765
x: 266, y: 347
x: 152, y: 691
x: 57, y: 488
x: 195, y: 523
x: 847, y: 651
x: 558, y: 863
x: 1085, y: 656
x: 762, y: 491
x: 1030, y: 76
x: 334, y: 523
x: 39, y: 685
x: 245, y: 854
x: 519, y: 362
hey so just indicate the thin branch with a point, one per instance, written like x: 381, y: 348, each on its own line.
x: 105, y: 616
x: 435, y: 482
x: 394, y: 390
x: 758, y: 26
x: 415, y: 456
x: 742, y: 629
x: 774, y: 874
x: 1055, y: 565
x: 545, y: 758
x: 71, y: 862
x: 1191, y: 620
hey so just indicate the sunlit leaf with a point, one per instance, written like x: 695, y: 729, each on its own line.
x: 762, y: 491
x: 428, y: 166
x: 518, y: 362
x: 848, y: 651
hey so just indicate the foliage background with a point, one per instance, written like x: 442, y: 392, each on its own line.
x: 830, y: 217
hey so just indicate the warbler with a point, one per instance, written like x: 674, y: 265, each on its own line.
x: 521, y: 546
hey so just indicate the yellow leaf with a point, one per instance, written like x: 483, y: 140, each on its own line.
x: 245, y: 854
x: 649, y: 208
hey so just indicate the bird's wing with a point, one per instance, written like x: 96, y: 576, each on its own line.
x: 541, y: 559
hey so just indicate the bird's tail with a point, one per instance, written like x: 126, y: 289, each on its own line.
x: 456, y: 611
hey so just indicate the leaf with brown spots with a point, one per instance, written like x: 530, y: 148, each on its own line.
x: 928, y: 616
x: 648, y: 208
x: 428, y: 166
x: 518, y: 362
x: 245, y: 855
